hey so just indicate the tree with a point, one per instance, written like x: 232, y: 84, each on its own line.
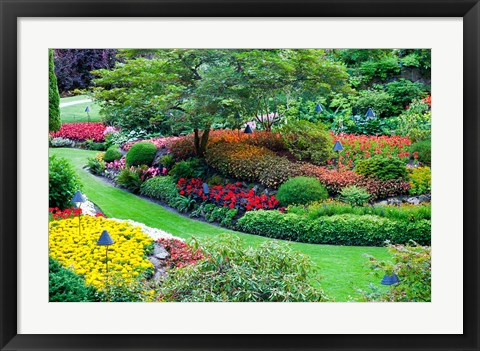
x: 54, y: 121
x: 198, y: 88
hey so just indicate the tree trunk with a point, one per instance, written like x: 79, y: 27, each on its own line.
x: 201, y: 142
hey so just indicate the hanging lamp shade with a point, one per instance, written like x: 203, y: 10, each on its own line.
x: 318, y: 108
x: 105, y: 239
x: 205, y: 188
x: 87, y: 109
x: 370, y: 113
x: 248, y: 130
x: 78, y: 197
x: 338, y: 146
x: 237, y: 115
x: 389, y: 279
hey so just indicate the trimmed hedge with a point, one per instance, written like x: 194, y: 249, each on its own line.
x: 142, y: 153
x: 301, y: 190
x: 161, y: 188
x: 347, y: 229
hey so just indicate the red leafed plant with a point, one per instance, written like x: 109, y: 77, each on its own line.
x: 229, y: 195
x: 57, y: 213
x: 159, y: 142
x: 81, y: 131
x: 181, y: 254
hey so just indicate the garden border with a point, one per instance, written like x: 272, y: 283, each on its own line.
x: 12, y: 10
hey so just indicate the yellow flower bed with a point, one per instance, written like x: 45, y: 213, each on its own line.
x: 126, y: 257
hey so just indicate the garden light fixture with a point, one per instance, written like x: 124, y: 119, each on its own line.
x: 370, y: 113
x: 318, y: 109
x: 78, y: 199
x: 389, y: 279
x: 338, y: 147
x: 105, y: 240
x: 87, y: 110
x: 248, y: 130
x: 205, y: 189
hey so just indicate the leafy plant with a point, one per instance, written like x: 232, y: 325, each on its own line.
x: 141, y: 153
x: 167, y: 161
x: 301, y: 190
x: 383, y: 168
x: 54, y: 120
x: 161, y: 188
x: 235, y: 273
x: 423, y: 150
x: 420, y: 181
x: 63, y: 182
x: 416, y: 121
x: 192, y: 168
x: 112, y: 154
x: 95, y: 165
x: 130, y: 178
x: 61, y: 142
x: 355, y: 196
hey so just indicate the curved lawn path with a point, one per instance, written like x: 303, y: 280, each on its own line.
x: 342, y: 268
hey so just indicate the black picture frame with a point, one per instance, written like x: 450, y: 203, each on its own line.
x: 11, y: 10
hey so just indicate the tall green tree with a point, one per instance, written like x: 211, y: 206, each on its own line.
x: 54, y: 121
x: 197, y: 88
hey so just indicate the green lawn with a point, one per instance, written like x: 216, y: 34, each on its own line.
x: 76, y: 113
x: 342, y: 268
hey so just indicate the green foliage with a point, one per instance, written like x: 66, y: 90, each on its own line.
x: 383, y: 68
x: 161, y: 188
x: 232, y: 272
x: 382, y: 167
x: 403, y: 91
x: 424, y: 151
x: 420, y: 181
x: 130, y: 179
x: 96, y: 166
x: 54, y: 120
x: 192, y: 168
x: 117, y: 290
x: 167, y: 161
x: 308, y: 141
x: 112, y: 154
x: 354, y: 195
x: 63, y: 182
x: 378, y: 100
x: 92, y: 145
x: 416, y: 122
x: 413, y: 266
x: 215, y: 180
x: 301, y: 190
x: 346, y: 229
x: 66, y: 286
x: 405, y: 212
x: 142, y: 153
x: 222, y: 215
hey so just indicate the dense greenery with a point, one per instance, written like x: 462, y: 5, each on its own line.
x: 301, y: 190
x: 381, y: 167
x: 63, y: 182
x: 54, y: 120
x: 141, y: 154
x: 270, y: 272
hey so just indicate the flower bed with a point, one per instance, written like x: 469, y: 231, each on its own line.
x: 230, y: 195
x: 80, y: 252
x: 181, y: 254
x: 364, y: 146
x: 81, y: 131
x: 159, y: 142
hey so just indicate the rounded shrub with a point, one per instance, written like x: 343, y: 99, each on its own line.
x: 381, y: 167
x: 63, y: 182
x: 142, y: 153
x: 301, y: 190
x: 112, y: 154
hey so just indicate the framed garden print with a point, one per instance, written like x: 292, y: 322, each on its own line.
x: 29, y: 322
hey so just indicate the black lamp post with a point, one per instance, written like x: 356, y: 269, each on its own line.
x: 105, y: 240
x: 87, y: 110
x: 389, y: 279
x: 205, y: 188
x: 248, y: 129
x: 78, y: 199
x: 338, y: 147
x: 370, y: 113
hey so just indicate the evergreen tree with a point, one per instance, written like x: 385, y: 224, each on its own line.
x: 54, y: 121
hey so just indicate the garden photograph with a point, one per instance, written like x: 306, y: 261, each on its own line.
x: 239, y: 175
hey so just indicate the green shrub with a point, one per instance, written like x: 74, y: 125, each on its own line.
x: 222, y: 215
x: 92, y: 145
x: 112, y: 154
x: 403, y: 91
x: 66, y: 286
x: 308, y: 141
x: 301, y: 190
x: 192, y: 168
x: 381, y: 167
x: 63, y: 182
x: 413, y: 266
x: 232, y: 272
x: 420, y: 181
x: 142, y: 153
x: 165, y: 189
x: 423, y: 149
x: 416, y: 122
x: 130, y: 179
x: 215, y: 180
x: 354, y: 195
x: 167, y: 161
x: 95, y: 165
x: 346, y: 229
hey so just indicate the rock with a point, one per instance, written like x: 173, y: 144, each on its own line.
x: 394, y: 201
x: 383, y: 203
x: 159, y: 252
x: 158, y: 276
x: 413, y: 200
x: 424, y: 198
x: 155, y: 261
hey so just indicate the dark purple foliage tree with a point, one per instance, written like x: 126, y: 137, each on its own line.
x: 73, y: 66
